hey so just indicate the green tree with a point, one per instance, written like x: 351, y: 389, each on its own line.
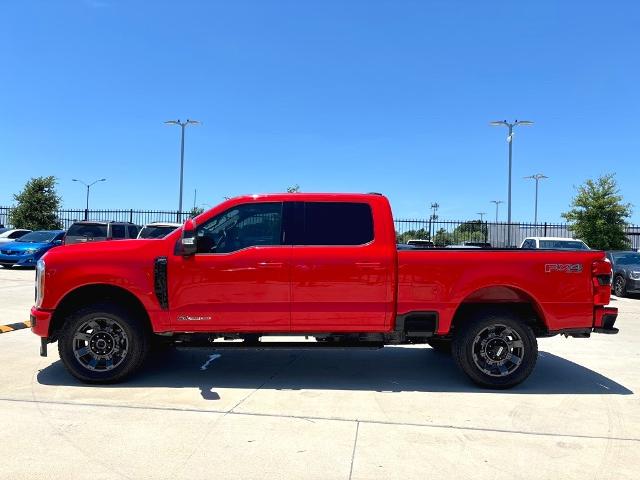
x: 442, y: 238
x: 598, y: 214
x: 472, y: 231
x: 38, y: 205
x: 195, y: 211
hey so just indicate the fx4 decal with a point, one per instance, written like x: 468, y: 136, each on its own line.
x: 563, y: 267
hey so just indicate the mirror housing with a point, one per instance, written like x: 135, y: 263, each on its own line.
x: 188, y: 244
x: 57, y: 243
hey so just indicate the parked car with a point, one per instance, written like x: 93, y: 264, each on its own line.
x: 554, y: 243
x: 157, y: 229
x: 27, y: 250
x: 96, y: 231
x: 321, y: 265
x: 420, y: 243
x: 626, y: 272
x: 10, y: 235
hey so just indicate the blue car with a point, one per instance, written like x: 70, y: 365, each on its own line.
x: 26, y: 250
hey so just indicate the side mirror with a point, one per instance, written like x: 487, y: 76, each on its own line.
x: 57, y: 243
x: 188, y: 239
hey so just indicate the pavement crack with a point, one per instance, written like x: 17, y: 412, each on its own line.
x: 353, y: 453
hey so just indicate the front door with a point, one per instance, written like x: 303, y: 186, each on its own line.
x: 239, y: 279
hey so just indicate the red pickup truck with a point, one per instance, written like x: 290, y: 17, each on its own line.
x: 316, y: 265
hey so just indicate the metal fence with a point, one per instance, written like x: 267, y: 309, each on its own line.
x: 139, y: 217
x: 441, y: 232
x: 449, y: 232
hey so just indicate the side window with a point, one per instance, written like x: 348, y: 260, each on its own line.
x: 248, y: 225
x: 117, y: 231
x: 337, y: 223
x: 17, y: 234
x: 133, y: 231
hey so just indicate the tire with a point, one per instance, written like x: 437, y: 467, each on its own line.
x: 619, y: 286
x: 103, y: 343
x: 495, y: 350
x: 440, y: 345
x: 5, y: 266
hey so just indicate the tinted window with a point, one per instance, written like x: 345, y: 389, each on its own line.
x: 118, y: 231
x: 17, y: 234
x: 563, y: 244
x: 156, y: 231
x: 627, y: 258
x: 247, y: 225
x: 86, y: 232
x: 337, y: 223
x: 133, y: 231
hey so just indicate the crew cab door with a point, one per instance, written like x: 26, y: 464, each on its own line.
x: 239, y: 279
x: 340, y: 276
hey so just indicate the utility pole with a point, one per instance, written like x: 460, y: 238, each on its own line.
x: 182, y: 125
x: 537, y: 177
x: 497, y: 202
x: 510, y: 126
x: 434, y: 207
x: 482, y: 214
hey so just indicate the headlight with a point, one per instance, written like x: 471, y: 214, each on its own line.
x: 40, y: 267
x: 29, y: 251
x: 635, y: 275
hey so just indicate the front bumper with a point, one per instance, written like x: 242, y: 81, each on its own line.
x: 19, y: 260
x: 40, y: 321
x: 632, y: 286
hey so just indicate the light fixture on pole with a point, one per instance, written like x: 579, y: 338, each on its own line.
x: 537, y: 177
x: 510, y: 125
x: 482, y: 214
x: 88, y: 185
x: 182, y: 125
x: 497, y: 202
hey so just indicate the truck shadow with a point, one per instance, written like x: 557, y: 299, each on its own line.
x: 386, y: 370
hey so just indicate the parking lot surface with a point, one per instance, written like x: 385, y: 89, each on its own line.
x: 397, y: 413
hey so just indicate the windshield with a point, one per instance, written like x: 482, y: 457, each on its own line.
x: 627, y: 258
x: 563, y: 244
x: 38, y: 237
x: 156, y: 231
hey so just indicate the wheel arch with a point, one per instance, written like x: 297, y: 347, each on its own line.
x: 502, y: 298
x: 92, y: 294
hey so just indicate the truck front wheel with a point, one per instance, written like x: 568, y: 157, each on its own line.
x: 103, y: 344
x: 496, y: 351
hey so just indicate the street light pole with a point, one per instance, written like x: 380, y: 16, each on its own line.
x: 537, y: 177
x: 482, y: 214
x: 88, y: 185
x: 497, y: 202
x: 510, y: 125
x: 182, y: 126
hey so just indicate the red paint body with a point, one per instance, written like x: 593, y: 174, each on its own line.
x: 327, y: 289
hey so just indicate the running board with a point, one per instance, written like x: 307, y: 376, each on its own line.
x: 278, y: 345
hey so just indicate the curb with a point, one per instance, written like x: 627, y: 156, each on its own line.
x: 14, y: 326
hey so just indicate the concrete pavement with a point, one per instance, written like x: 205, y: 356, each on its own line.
x: 399, y: 412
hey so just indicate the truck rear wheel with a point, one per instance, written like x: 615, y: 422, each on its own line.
x: 495, y: 350
x: 103, y: 344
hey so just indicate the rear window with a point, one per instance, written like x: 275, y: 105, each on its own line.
x: 156, y: 232
x: 86, y: 232
x: 563, y: 244
x: 118, y: 231
x: 337, y: 223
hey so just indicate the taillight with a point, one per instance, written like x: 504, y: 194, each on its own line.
x: 601, y: 278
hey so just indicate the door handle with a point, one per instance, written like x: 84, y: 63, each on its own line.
x: 270, y: 264
x: 368, y: 264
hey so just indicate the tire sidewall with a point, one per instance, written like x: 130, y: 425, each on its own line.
x: 619, y: 280
x: 138, y: 344
x: 463, y: 351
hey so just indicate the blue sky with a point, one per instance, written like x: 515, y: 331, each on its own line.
x: 387, y: 96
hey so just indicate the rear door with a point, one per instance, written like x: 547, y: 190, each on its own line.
x: 340, y: 276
